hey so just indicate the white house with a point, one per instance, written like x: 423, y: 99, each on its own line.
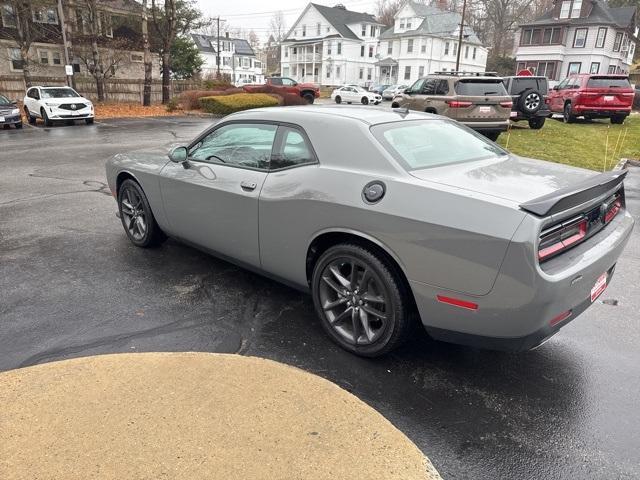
x: 578, y: 36
x: 424, y: 39
x: 237, y: 58
x: 331, y: 46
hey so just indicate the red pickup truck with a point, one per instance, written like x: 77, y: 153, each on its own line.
x: 308, y: 91
x: 592, y: 96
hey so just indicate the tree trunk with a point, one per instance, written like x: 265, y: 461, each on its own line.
x: 26, y: 72
x: 146, y: 94
x: 98, y: 74
x: 166, y: 75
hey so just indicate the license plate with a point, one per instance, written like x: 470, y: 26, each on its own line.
x: 608, y: 98
x: 485, y: 109
x: 75, y: 114
x: 599, y: 287
x: 1, y: 119
x: 514, y: 114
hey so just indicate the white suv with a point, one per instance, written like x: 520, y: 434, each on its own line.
x: 56, y: 103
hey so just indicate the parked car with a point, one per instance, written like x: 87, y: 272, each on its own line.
x: 244, y: 81
x: 593, y: 96
x: 393, y: 91
x: 57, y: 103
x: 351, y: 94
x: 386, y: 217
x: 9, y: 113
x: 308, y: 91
x: 529, y: 96
x: 378, y: 88
x: 477, y: 100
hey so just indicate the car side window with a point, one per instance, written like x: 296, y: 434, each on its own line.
x: 295, y: 150
x: 276, y: 81
x: 563, y: 84
x: 442, y: 88
x: 429, y: 87
x: 288, y: 82
x: 237, y: 144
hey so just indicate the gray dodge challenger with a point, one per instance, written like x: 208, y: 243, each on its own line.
x: 389, y: 218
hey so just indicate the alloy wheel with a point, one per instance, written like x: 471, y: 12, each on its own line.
x: 354, y: 300
x: 532, y: 101
x: 133, y: 215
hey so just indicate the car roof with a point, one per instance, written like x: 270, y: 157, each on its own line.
x: 365, y: 114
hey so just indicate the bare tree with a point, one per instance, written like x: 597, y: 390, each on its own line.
x: 387, y: 9
x: 86, y: 42
x: 253, y: 40
x: 103, y: 62
x: 502, y: 17
x: 278, y: 26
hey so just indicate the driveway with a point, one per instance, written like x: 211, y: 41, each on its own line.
x: 72, y: 285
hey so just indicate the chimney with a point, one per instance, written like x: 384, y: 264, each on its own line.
x: 442, y: 5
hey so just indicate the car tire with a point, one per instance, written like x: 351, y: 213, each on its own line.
x: 492, y: 135
x: 338, y: 99
x: 530, y: 101
x: 536, y: 123
x: 618, y: 119
x: 136, y: 216
x: 30, y: 118
x: 395, y: 105
x: 45, y: 118
x: 309, y: 98
x: 567, y: 116
x: 365, y: 101
x: 379, y: 324
x: 19, y: 125
x: 88, y: 121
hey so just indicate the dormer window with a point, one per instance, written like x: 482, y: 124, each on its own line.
x: 576, y: 8
x: 304, y: 30
x: 402, y: 23
x: 408, y: 24
x: 364, y: 30
x: 565, y: 8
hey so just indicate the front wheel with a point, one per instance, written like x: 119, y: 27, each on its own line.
x: 136, y: 216
x: 338, y: 99
x: 88, y: 121
x: 365, y: 101
x: 45, y: 118
x: 536, y: 123
x: 309, y: 98
x: 618, y: 119
x: 19, y: 125
x: 361, y: 300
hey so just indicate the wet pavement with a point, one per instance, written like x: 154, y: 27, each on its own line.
x: 72, y: 285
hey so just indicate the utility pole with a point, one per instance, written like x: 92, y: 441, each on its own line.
x: 464, y: 9
x: 218, y: 48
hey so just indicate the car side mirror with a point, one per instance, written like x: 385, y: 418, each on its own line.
x: 555, y: 88
x: 178, y: 154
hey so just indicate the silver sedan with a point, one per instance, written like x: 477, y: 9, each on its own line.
x: 389, y: 218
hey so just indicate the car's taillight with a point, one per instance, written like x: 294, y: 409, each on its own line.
x: 561, y: 236
x: 458, y: 104
x: 612, y: 211
x: 508, y: 104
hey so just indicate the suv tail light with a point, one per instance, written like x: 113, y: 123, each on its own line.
x: 506, y: 104
x: 458, y: 104
x: 562, y: 236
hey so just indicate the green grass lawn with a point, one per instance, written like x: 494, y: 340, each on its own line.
x: 582, y: 144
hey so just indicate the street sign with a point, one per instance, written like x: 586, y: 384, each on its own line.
x: 68, y: 69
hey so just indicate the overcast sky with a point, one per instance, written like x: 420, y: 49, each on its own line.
x: 257, y: 14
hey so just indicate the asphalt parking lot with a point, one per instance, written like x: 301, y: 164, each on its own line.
x: 72, y: 285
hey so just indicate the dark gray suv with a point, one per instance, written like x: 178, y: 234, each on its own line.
x: 529, y: 99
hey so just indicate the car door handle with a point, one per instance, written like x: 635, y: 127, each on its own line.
x: 248, y: 186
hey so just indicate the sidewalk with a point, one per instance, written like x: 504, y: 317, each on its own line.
x: 192, y: 415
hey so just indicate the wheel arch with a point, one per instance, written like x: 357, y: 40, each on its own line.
x: 431, y: 110
x: 303, y: 93
x: 125, y: 175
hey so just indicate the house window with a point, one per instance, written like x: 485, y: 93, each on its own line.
x: 602, y: 34
x: 575, y: 9
x: 329, y: 72
x: 318, y: 29
x: 338, y: 71
x: 362, y: 50
x: 76, y: 67
x: 370, y: 51
x: 617, y: 42
x: 106, y: 25
x: 8, y: 16
x: 369, y: 73
x: 421, y: 71
x: 286, y: 52
x: 304, y: 30
x: 548, y: 36
x: 625, y: 43
x: 423, y: 48
x: 580, y: 38
x: 474, y: 52
x: 328, y: 48
x: 390, y: 48
x: 466, y: 51
x: 595, y: 67
x: 373, y: 31
x: 526, y: 37
x: 612, y: 69
x: 16, y: 59
x: 339, y: 52
x: 410, y: 45
x: 45, y: 15
x: 574, y: 67
x: 328, y: 28
x: 56, y: 58
x: 43, y: 55
x: 408, y: 23
x: 361, y: 73
x: 225, y: 61
x: 546, y: 69
x: 295, y: 50
x: 565, y: 8
x: 363, y: 31
x: 407, y: 73
x: 446, y: 48
x: 455, y: 48
x: 402, y: 23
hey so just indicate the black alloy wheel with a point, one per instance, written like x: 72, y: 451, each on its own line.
x: 361, y: 300
x: 136, y: 216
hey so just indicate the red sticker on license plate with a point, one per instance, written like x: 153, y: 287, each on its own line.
x: 599, y: 287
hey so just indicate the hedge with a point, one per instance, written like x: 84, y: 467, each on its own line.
x: 190, y: 99
x: 285, y: 98
x: 224, y: 105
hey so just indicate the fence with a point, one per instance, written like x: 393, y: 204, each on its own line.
x: 116, y: 89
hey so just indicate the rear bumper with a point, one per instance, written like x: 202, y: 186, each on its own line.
x: 501, y: 126
x: 543, y: 112
x: 519, y: 311
x: 603, y: 111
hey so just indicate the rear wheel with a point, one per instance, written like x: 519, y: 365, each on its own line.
x: 395, y: 105
x: 30, y: 118
x: 309, y: 98
x: 536, y: 123
x: 361, y: 300
x: 567, y: 116
x: 618, y: 119
x: 136, y: 216
x: 338, y: 99
x: 365, y: 101
x: 492, y: 135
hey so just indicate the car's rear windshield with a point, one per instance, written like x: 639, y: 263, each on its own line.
x: 608, y: 82
x: 418, y: 144
x: 58, y: 93
x: 480, y: 87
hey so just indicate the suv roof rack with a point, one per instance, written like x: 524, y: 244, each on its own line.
x: 468, y: 74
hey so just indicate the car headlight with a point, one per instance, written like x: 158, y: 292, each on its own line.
x: 15, y: 111
x: 49, y: 104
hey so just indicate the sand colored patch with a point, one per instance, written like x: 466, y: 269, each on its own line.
x: 192, y: 415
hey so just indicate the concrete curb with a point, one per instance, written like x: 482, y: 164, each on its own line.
x: 193, y: 415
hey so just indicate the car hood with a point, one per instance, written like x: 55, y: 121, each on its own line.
x: 308, y: 85
x: 508, y: 177
x: 60, y: 101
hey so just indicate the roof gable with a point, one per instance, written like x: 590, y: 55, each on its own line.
x: 207, y: 44
x: 339, y: 18
x: 601, y: 13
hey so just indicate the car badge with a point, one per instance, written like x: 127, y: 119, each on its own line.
x: 73, y: 106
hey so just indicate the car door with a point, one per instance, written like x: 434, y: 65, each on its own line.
x: 290, y: 85
x: 32, y: 100
x: 349, y: 94
x: 212, y: 199
x: 413, y: 97
x: 555, y: 97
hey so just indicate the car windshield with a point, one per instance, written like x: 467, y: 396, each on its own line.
x: 480, y: 87
x: 418, y: 144
x: 58, y: 93
x: 359, y: 89
x: 608, y: 82
x: 4, y: 99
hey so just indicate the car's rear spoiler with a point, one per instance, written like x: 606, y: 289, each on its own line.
x: 569, y: 197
